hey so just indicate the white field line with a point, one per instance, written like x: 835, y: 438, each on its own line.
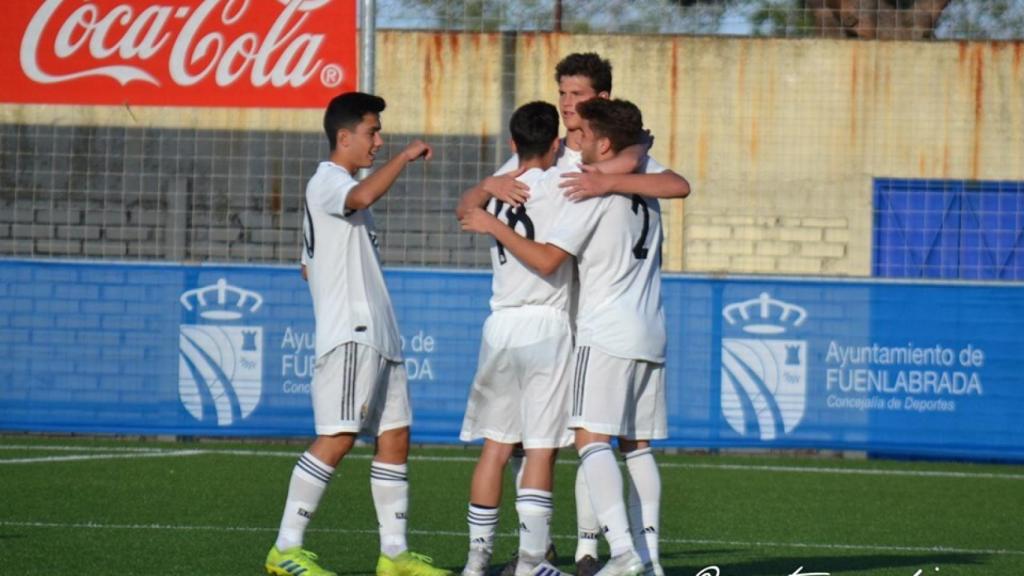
x: 661, y: 465
x: 70, y: 448
x: 112, y: 456
x: 567, y: 537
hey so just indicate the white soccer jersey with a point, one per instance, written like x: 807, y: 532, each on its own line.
x: 567, y: 159
x: 514, y: 283
x: 350, y: 298
x: 617, y: 243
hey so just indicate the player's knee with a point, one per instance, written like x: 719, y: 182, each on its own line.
x: 393, y: 446
x: 626, y: 445
x: 545, y: 455
x: 496, y: 453
x: 585, y: 437
x: 331, y: 449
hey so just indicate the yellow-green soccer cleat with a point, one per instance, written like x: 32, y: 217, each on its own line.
x: 294, y: 562
x: 409, y: 564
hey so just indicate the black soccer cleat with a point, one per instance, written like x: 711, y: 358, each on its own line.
x: 587, y: 566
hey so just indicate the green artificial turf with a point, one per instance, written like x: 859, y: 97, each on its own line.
x: 87, y: 506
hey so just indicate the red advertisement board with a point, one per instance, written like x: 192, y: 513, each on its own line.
x: 244, y: 53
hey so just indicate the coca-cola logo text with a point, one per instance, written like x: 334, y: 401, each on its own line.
x: 258, y: 44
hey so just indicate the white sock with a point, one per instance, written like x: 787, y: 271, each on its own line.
x: 604, y: 480
x: 309, y: 480
x: 534, y: 508
x: 483, y: 523
x: 389, y: 485
x: 588, y: 529
x: 644, y: 502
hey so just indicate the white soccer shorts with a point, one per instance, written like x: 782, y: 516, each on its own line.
x: 358, y: 391
x: 521, y: 389
x: 618, y: 396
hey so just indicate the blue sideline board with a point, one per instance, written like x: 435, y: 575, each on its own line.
x: 919, y: 369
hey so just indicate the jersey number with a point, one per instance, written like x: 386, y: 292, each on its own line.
x: 514, y: 217
x: 640, y: 249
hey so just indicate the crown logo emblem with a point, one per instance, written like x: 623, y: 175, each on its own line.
x: 220, y: 308
x: 764, y: 315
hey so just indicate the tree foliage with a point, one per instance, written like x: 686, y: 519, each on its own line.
x: 867, y: 19
x: 881, y: 19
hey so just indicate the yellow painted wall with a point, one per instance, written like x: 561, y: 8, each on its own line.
x: 780, y: 139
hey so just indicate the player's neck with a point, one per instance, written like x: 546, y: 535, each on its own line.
x: 573, y: 139
x: 338, y: 158
x: 538, y: 162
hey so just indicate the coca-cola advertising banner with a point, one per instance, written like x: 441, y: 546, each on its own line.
x: 244, y: 53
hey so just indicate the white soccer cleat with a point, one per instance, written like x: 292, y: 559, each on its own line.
x: 545, y: 568
x: 628, y: 564
x: 477, y: 563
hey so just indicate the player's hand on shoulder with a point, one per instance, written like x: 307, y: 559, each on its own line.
x: 418, y: 149
x: 477, y: 220
x: 507, y: 189
x: 589, y: 182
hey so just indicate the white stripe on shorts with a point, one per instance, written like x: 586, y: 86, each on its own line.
x: 348, y: 389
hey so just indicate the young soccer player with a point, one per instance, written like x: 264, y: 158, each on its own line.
x: 359, y: 383
x: 580, y: 77
x: 520, y: 392
x: 618, y: 385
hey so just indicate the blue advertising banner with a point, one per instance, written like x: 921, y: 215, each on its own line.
x: 921, y: 369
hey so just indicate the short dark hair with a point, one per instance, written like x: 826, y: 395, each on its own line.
x: 534, y: 127
x: 587, y: 64
x: 347, y: 111
x: 618, y: 120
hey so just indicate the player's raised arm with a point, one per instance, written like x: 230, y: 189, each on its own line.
x: 589, y: 183
x: 375, y: 185
x: 543, y: 258
x: 504, y: 188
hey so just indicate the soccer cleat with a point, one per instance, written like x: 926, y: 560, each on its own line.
x: 653, y: 569
x: 408, y: 563
x: 477, y: 563
x: 627, y: 564
x: 587, y: 566
x: 546, y: 569
x: 510, y: 568
x: 294, y: 562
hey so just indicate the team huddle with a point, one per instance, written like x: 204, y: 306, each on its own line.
x: 573, y: 351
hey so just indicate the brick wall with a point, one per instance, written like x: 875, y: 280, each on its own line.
x: 75, y: 328
x: 766, y: 244
x: 194, y: 195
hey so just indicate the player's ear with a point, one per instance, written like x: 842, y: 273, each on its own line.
x: 342, y: 137
x: 512, y: 143
x: 604, y: 145
x: 604, y: 94
x: 554, y: 146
